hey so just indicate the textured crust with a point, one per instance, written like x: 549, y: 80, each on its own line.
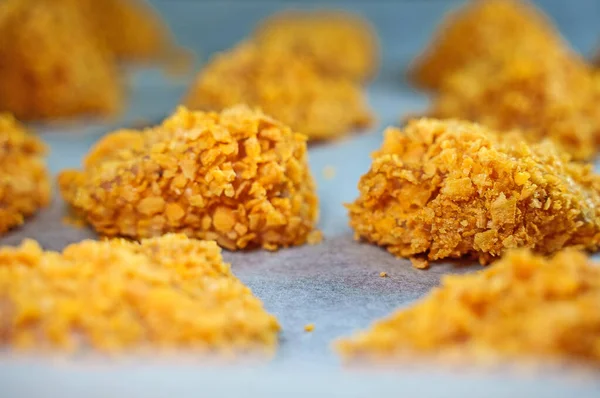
x: 238, y: 177
x: 167, y: 292
x: 484, y: 31
x: 283, y: 85
x: 24, y: 184
x: 552, y: 97
x: 525, y: 306
x: 339, y: 43
x: 51, y: 65
x: 446, y: 189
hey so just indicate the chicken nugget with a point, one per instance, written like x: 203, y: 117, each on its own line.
x: 238, y: 177
x: 484, y: 30
x: 24, y: 184
x: 162, y: 293
x: 339, y: 43
x: 523, y: 307
x: 447, y: 189
x: 51, y: 65
x: 551, y: 97
x: 285, y: 86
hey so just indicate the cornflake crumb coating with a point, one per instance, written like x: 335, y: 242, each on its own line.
x: 552, y: 97
x: 524, y: 306
x: 339, y: 43
x: 24, y: 184
x: 163, y: 293
x: 285, y: 86
x: 447, y: 189
x: 483, y: 31
x: 238, y: 177
x: 52, y: 64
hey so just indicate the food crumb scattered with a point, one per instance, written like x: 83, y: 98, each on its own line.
x: 383, y: 274
x: 309, y: 327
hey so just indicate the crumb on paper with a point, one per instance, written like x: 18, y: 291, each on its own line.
x: 329, y: 172
x: 451, y: 189
x: 383, y: 274
x: 74, y: 220
x: 286, y: 87
x: 309, y: 327
x: 115, y: 295
x: 24, y: 179
x: 238, y: 177
x: 338, y: 43
x: 524, y: 306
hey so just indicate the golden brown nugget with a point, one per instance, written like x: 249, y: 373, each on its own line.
x: 24, y: 184
x: 238, y: 177
x: 447, y: 189
x: 523, y: 307
x: 339, y: 43
x: 51, y: 64
x: 482, y: 31
x: 162, y: 293
x: 283, y: 85
x: 553, y: 97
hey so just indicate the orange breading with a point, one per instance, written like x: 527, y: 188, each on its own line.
x: 238, y: 177
x: 446, y: 189
x: 163, y: 293
x: 550, y: 97
x: 283, y: 85
x: 339, y: 43
x: 482, y: 31
x: 524, y: 306
x: 24, y: 184
x: 52, y: 65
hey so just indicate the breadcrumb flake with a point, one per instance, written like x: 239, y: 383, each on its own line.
x: 524, y: 306
x: 447, y: 189
x: 163, y: 293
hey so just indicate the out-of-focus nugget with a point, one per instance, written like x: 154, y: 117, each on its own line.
x: 167, y: 292
x: 552, y: 97
x: 481, y: 31
x: 24, y: 185
x: 238, y: 177
x: 51, y: 65
x: 339, y: 43
x: 446, y: 189
x: 523, y: 307
x: 285, y: 86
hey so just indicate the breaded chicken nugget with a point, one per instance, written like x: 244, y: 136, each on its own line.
x: 523, y: 307
x: 51, y: 65
x: 283, y: 85
x: 484, y: 30
x: 339, y: 43
x: 24, y: 185
x: 552, y: 98
x: 238, y: 177
x: 168, y: 292
x: 446, y: 189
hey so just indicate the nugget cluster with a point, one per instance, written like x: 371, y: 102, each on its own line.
x: 445, y: 189
x: 338, y: 43
x: 52, y: 65
x: 167, y: 292
x: 237, y: 177
x: 523, y: 306
x: 24, y: 185
x: 288, y: 87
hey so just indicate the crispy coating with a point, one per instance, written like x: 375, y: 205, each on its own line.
x: 553, y: 97
x: 524, y: 306
x: 484, y: 30
x: 339, y: 43
x: 162, y: 293
x: 446, y: 189
x: 237, y: 177
x: 24, y: 184
x: 283, y: 85
x: 51, y: 65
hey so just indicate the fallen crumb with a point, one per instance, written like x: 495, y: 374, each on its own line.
x: 315, y: 237
x: 329, y: 172
x: 383, y: 274
x: 309, y: 327
x: 74, y: 221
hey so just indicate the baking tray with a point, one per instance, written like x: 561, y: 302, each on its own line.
x: 334, y: 285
